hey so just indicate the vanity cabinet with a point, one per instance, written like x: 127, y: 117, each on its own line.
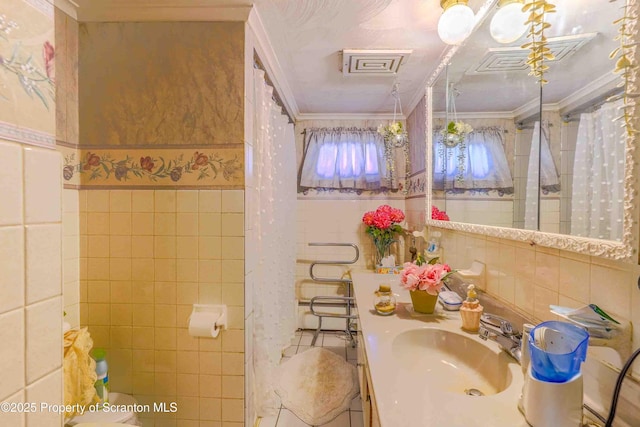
x: 369, y: 408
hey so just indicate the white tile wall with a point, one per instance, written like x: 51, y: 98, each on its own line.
x: 44, y: 261
x: 45, y: 391
x: 30, y: 313
x: 10, y: 183
x: 11, y: 268
x: 12, y: 358
x: 43, y: 185
x: 44, y: 332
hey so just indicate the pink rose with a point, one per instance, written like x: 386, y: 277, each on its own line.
x: 367, y: 218
x: 386, y: 209
x: 381, y: 220
x: 396, y: 215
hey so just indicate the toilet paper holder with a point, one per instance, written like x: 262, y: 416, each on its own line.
x: 207, y: 320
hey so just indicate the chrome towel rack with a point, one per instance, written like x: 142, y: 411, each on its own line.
x: 346, y: 301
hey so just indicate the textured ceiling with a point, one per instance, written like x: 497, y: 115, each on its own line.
x: 308, y: 37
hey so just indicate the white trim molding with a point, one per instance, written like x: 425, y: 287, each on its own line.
x: 100, y: 11
x: 271, y: 63
x: 69, y: 7
x: 348, y: 116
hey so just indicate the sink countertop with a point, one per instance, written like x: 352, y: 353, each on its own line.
x: 407, y: 403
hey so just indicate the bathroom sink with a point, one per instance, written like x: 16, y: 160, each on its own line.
x: 450, y: 362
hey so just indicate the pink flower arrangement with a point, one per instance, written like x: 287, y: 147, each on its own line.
x: 438, y: 214
x: 426, y: 277
x: 382, y: 224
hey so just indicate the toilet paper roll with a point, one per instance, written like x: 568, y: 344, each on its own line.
x: 203, y: 324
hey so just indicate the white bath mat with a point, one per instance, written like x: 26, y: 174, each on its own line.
x: 316, y: 385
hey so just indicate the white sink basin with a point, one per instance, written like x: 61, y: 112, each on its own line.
x: 450, y: 362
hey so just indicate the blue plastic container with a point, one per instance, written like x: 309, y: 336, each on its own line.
x: 563, y: 349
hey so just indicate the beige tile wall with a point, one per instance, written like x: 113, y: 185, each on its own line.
x: 532, y: 277
x: 146, y: 257
x: 30, y: 281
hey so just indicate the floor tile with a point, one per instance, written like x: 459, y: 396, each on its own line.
x: 334, y: 339
x: 340, y: 351
x: 288, y: 419
x: 307, y: 337
x: 341, y: 420
x: 303, y: 348
x: 357, y: 419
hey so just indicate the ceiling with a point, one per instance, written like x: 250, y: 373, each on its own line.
x: 307, y: 38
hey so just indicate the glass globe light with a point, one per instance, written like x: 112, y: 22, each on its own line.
x: 456, y: 23
x: 507, y: 25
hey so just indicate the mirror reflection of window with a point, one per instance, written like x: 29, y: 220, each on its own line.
x: 485, y: 167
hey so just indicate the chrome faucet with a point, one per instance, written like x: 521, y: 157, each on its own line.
x: 502, y: 331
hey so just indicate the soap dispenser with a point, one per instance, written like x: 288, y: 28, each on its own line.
x: 471, y: 311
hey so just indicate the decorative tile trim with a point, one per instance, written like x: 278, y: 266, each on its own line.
x: 144, y: 168
x: 416, y: 184
x: 22, y: 135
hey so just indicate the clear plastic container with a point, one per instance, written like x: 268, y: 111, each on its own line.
x: 557, y: 349
x: 102, y: 373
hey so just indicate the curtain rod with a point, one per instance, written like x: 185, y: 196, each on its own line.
x: 257, y: 63
x: 594, y: 104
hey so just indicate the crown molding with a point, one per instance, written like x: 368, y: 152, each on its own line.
x: 68, y: 6
x: 479, y: 115
x: 272, y: 66
x: 348, y: 116
x: 103, y: 12
x: 596, y: 88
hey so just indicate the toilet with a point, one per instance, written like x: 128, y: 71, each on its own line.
x: 109, y: 419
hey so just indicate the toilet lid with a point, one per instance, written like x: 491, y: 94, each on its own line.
x: 100, y: 418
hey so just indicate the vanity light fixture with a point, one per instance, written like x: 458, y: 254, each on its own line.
x: 456, y: 22
x: 508, y: 23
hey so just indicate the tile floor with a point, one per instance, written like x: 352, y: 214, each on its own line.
x: 339, y: 344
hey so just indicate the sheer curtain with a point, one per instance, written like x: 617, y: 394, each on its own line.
x: 597, y: 198
x: 344, y: 158
x: 485, y: 163
x: 546, y: 178
x: 274, y: 230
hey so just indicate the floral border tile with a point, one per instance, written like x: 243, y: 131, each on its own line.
x: 416, y: 185
x: 27, y: 70
x: 154, y: 167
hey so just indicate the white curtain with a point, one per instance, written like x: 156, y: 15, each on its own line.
x: 344, y: 158
x: 485, y: 163
x: 542, y: 173
x: 597, y: 198
x: 274, y: 240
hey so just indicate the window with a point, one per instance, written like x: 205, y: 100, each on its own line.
x: 484, y: 164
x: 340, y: 158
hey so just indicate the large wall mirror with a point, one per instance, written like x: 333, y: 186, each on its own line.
x: 550, y: 164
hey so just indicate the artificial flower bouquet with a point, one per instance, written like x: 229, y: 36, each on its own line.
x: 424, y: 281
x: 438, y: 214
x: 383, y: 225
x: 429, y: 277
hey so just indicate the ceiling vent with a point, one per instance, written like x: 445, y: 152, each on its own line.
x: 373, y: 62
x: 514, y: 58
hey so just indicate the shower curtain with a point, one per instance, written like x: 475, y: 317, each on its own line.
x: 273, y: 236
x: 545, y: 177
x: 597, y: 197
